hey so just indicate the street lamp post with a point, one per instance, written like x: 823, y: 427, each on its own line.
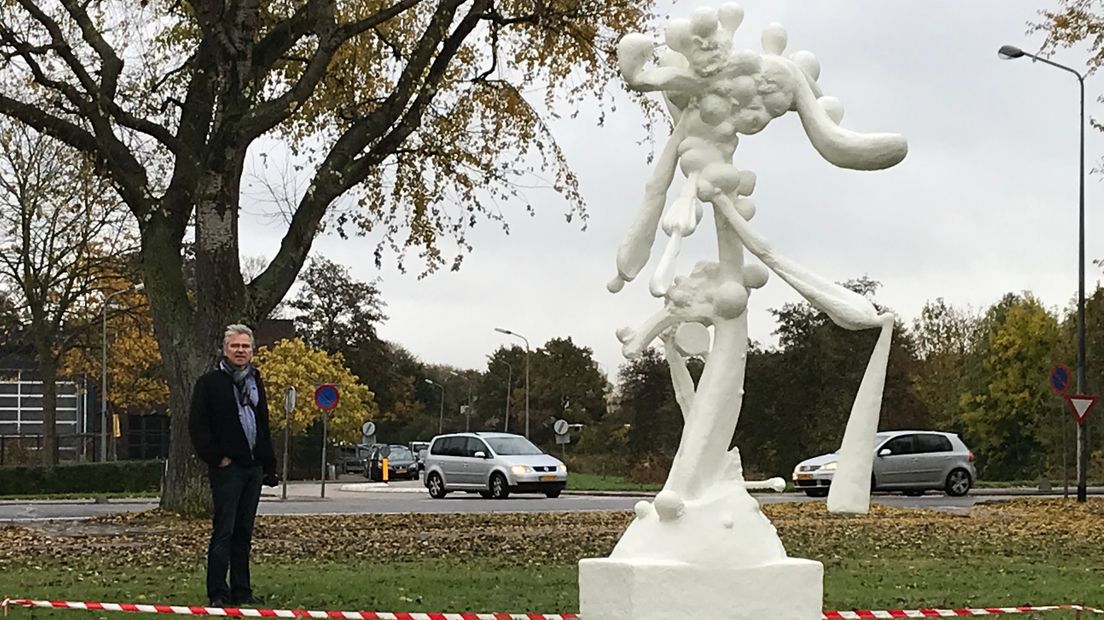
x: 509, y: 388
x: 103, y: 370
x: 467, y: 409
x: 526, y: 340
x: 1009, y: 52
x: 441, y: 420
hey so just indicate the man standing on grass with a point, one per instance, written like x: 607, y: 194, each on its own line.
x: 229, y: 429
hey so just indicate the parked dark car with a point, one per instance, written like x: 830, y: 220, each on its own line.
x: 419, y: 448
x: 400, y: 463
x: 351, y: 459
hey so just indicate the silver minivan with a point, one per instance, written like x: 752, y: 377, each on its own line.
x: 491, y: 464
x: 909, y: 461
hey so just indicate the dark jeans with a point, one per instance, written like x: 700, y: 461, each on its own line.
x: 235, y: 493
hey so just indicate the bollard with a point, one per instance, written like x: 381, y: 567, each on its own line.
x: 383, y: 466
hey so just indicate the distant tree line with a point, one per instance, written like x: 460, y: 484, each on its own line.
x: 982, y: 375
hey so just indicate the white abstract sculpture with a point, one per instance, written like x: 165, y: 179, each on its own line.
x: 703, y: 549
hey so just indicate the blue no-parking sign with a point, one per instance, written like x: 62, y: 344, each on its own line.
x: 1059, y: 378
x: 326, y: 396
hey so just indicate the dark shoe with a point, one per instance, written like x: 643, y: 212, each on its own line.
x: 252, y: 599
x: 218, y: 601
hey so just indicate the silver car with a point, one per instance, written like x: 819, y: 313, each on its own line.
x: 909, y: 461
x: 491, y: 464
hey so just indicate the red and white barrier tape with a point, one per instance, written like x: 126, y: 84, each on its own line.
x: 952, y: 613
x: 234, y: 612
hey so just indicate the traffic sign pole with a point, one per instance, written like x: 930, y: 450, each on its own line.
x: 289, y: 406
x: 326, y: 396
x: 1060, y: 382
x: 325, y: 414
x: 1065, y: 461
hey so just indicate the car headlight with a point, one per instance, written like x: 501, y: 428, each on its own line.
x: 562, y: 468
x: 830, y: 466
x: 520, y: 469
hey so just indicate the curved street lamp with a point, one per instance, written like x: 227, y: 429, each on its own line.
x: 441, y: 420
x: 515, y: 334
x: 1011, y: 52
x: 103, y: 371
x: 509, y: 381
x: 465, y: 409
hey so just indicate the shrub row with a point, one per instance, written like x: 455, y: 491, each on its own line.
x: 113, y: 477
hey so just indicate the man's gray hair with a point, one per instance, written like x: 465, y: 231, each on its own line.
x: 234, y: 330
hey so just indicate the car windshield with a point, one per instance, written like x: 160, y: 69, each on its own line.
x: 878, y: 438
x: 511, y: 446
x: 400, y: 453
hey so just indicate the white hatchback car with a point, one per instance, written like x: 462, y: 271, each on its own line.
x: 909, y: 461
x: 491, y: 464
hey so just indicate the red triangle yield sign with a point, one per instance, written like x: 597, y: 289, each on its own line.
x: 1081, y: 405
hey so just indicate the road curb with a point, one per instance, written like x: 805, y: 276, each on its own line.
x: 85, y: 500
x: 378, y: 487
x: 381, y: 487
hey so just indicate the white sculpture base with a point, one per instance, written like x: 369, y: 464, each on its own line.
x: 609, y: 589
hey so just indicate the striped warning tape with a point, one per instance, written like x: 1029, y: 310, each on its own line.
x: 952, y: 613
x: 235, y: 612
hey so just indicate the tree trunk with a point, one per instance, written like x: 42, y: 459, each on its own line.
x: 47, y: 370
x: 174, y: 319
x: 185, y: 490
x: 189, y: 336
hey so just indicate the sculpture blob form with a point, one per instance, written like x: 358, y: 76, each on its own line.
x: 703, y: 549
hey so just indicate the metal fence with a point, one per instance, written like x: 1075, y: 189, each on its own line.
x: 26, y: 449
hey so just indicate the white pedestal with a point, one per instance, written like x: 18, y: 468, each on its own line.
x: 609, y: 589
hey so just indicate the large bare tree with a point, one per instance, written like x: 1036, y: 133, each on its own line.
x: 63, y: 234
x: 412, y: 110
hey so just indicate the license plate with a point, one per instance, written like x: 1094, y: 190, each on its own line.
x: 804, y: 476
x: 547, y: 478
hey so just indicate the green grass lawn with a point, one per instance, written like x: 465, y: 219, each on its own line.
x: 456, y: 586
x: 593, y: 482
x: 1024, y: 552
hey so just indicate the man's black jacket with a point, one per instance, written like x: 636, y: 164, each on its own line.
x: 216, y: 430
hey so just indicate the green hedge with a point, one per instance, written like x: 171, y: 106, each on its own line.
x: 113, y: 477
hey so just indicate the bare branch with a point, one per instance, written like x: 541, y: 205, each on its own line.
x: 331, y: 37
x: 50, y: 125
x: 342, y: 169
x: 64, y: 49
x: 111, y: 65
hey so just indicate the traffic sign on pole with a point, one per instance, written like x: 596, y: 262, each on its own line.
x: 1081, y: 405
x: 1059, y: 378
x: 326, y: 396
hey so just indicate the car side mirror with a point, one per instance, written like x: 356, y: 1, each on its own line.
x: 480, y: 455
x: 885, y: 452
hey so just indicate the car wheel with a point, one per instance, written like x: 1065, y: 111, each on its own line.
x: 552, y: 494
x: 499, y: 488
x: 958, y: 483
x: 914, y: 493
x: 816, y: 492
x: 436, y: 486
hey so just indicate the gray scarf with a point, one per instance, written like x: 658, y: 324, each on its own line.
x: 247, y: 396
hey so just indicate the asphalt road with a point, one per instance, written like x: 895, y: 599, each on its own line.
x: 409, y: 497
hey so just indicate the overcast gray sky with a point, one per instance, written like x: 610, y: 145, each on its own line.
x: 984, y: 204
